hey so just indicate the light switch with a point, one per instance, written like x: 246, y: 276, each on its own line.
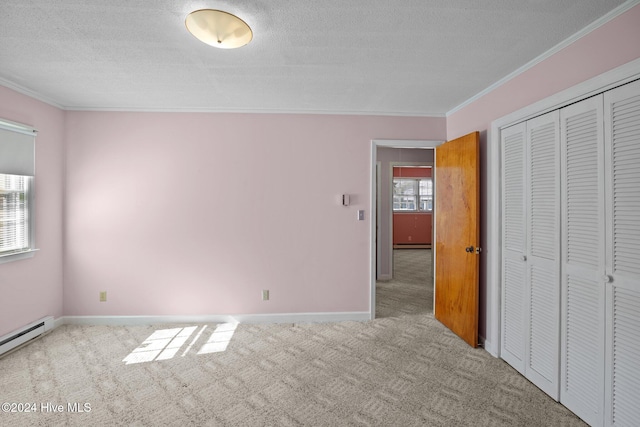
x: 361, y: 215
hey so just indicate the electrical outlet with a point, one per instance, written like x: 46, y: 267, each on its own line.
x: 265, y: 295
x: 103, y: 296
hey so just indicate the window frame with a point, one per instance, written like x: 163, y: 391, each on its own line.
x: 416, y: 196
x: 12, y: 255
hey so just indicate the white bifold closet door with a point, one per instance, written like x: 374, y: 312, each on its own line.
x: 543, y: 253
x: 601, y: 257
x: 530, y: 299
x: 514, y: 316
x: 582, y: 264
x: 622, y: 188
x: 571, y: 254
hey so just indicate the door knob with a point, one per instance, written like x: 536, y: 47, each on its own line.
x: 607, y: 279
x: 469, y: 249
x: 523, y: 257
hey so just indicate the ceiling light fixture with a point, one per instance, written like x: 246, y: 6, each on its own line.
x: 219, y: 29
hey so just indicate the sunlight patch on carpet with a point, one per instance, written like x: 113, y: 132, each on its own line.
x: 164, y: 344
x: 220, y: 338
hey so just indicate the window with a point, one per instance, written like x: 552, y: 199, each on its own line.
x: 17, y: 149
x: 412, y: 194
x: 14, y: 214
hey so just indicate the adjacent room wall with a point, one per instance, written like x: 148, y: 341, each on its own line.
x: 609, y: 46
x: 32, y: 288
x: 158, y: 216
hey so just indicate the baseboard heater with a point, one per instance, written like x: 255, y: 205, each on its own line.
x: 25, y: 334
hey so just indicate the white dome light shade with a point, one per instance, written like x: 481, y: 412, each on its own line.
x: 219, y: 29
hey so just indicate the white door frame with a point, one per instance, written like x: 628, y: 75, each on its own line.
x: 391, y: 143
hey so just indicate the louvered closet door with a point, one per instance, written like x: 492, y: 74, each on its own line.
x: 622, y: 142
x: 543, y: 253
x: 514, y: 304
x: 582, y: 263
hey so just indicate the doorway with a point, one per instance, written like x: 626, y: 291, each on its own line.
x: 383, y: 257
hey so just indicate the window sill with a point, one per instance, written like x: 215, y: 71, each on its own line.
x: 16, y: 256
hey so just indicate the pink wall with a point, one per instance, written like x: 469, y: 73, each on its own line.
x: 615, y: 43
x: 32, y: 288
x: 158, y: 216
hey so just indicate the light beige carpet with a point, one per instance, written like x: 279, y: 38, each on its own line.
x: 411, y: 290
x: 403, y: 369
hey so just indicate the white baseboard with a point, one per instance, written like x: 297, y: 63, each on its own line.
x: 486, y: 344
x: 58, y: 322
x: 217, y: 318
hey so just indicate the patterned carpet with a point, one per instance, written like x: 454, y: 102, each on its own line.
x: 403, y: 369
x: 411, y: 289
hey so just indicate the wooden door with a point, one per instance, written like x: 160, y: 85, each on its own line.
x: 457, y: 209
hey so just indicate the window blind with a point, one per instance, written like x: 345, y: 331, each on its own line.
x: 14, y: 214
x: 17, y: 149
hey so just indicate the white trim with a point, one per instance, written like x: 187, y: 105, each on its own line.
x: 494, y: 241
x: 392, y: 143
x: 217, y: 318
x: 17, y: 256
x: 608, y: 80
x: 30, y: 93
x: 601, y: 83
x: 59, y: 321
x: 377, y: 218
x: 257, y: 111
x: 47, y: 100
x: 557, y: 48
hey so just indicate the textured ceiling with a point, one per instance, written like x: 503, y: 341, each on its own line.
x: 413, y: 57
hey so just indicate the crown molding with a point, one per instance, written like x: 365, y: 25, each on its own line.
x: 30, y: 93
x: 47, y: 100
x: 255, y: 111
